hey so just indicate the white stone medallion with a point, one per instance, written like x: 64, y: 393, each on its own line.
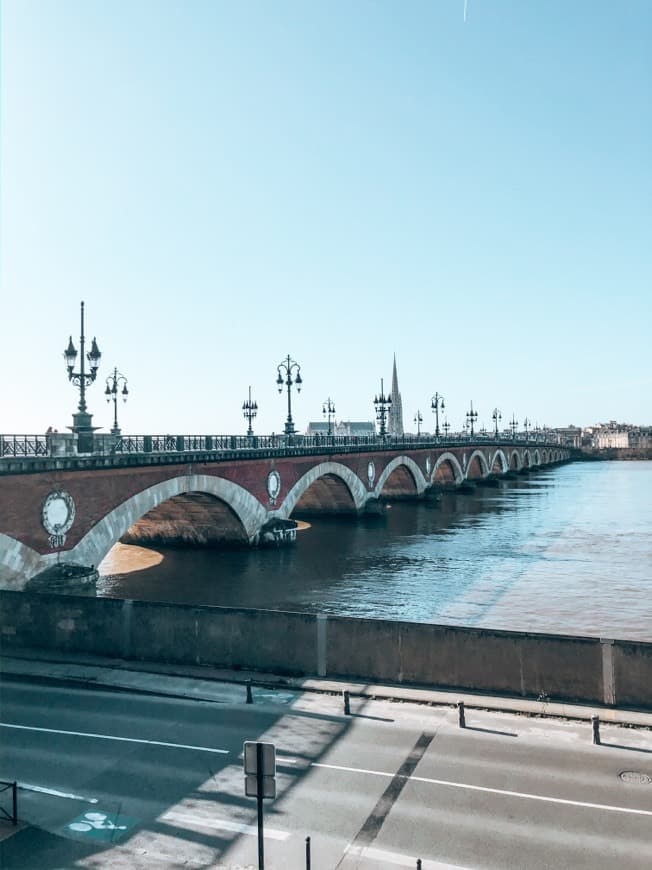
x: 57, y: 516
x: 273, y: 486
x: 371, y: 473
x: 428, y: 466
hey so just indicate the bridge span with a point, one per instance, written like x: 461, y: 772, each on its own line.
x: 218, y: 490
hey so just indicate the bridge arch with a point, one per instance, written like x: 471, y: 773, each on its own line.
x: 544, y: 457
x: 420, y: 481
x: 515, y: 462
x: 18, y: 562
x: 499, y: 463
x: 527, y: 459
x: 449, y: 468
x: 477, y: 460
x: 98, y: 541
x: 537, y: 457
x: 355, y: 487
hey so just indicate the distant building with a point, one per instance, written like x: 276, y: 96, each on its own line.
x: 358, y: 429
x: 317, y: 428
x: 613, y: 435
x: 640, y: 436
x: 569, y: 436
x: 347, y: 428
x: 395, y: 415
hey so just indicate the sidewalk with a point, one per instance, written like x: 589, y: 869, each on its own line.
x: 207, y: 684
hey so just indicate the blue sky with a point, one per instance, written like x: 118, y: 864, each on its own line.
x: 224, y: 183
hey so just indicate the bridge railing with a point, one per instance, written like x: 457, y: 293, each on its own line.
x: 17, y: 446
x: 63, y: 444
x: 128, y: 444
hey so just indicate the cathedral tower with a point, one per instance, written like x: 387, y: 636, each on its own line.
x: 395, y: 419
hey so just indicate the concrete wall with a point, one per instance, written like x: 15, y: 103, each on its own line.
x: 514, y: 663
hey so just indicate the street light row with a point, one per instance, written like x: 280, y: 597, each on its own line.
x: 288, y: 376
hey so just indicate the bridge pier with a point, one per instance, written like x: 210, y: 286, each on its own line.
x: 489, y: 480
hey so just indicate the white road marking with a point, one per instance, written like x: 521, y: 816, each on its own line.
x: 487, y: 789
x: 223, y: 825
x: 113, y: 737
x: 55, y: 793
x: 384, y: 857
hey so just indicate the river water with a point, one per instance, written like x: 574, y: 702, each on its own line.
x: 566, y: 550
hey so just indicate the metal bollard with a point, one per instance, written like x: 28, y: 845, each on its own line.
x: 460, y: 714
x: 418, y: 863
x: 595, y: 722
x: 250, y: 698
x: 307, y: 853
x: 347, y: 705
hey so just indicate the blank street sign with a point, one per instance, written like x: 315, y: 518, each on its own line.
x: 251, y: 759
x: 251, y: 786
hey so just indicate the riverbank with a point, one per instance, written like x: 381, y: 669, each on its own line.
x: 592, y: 454
x: 561, y: 668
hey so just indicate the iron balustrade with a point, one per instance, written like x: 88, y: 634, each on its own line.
x: 232, y: 446
x: 24, y: 445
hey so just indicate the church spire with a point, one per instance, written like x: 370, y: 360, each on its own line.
x: 395, y: 421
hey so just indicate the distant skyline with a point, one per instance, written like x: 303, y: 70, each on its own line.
x: 468, y: 187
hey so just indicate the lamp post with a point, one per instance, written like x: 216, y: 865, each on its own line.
x: 496, y: 416
x: 249, y: 410
x: 82, y: 419
x: 111, y: 392
x: 471, y: 417
x: 446, y: 427
x: 526, y: 426
x: 292, y: 376
x: 328, y: 409
x: 418, y: 419
x: 382, y: 404
x: 437, y: 404
x: 513, y: 426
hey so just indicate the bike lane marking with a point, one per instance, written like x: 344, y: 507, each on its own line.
x: 489, y: 790
x: 52, y: 791
x: 113, y: 737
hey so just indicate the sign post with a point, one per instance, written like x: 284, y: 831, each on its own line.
x: 260, y: 782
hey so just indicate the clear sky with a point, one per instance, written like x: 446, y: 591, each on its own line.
x: 225, y: 183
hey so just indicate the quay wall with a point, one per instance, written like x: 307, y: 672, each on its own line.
x: 529, y: 665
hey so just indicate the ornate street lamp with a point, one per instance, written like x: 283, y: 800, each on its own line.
x: 329, y: 412
x: 111, y: 392
x: 446, y: 427
x: 290, y: 367
x: 496, y: 416
x: 82, y: 378
x: 249, y: 410
x: 418, y: 419
x: 471, y: 417
x: 382, y: 404
x: 513, y: 426
x: 526, y: 426
x: 437, y: 405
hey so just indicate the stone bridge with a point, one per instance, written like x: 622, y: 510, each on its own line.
x: 237, y: 497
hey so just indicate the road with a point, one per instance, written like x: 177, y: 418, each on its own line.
x: 162, y: 780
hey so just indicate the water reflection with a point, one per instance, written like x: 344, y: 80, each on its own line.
x: 566, y: 550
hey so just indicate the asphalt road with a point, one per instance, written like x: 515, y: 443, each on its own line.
x: 130, y: 780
